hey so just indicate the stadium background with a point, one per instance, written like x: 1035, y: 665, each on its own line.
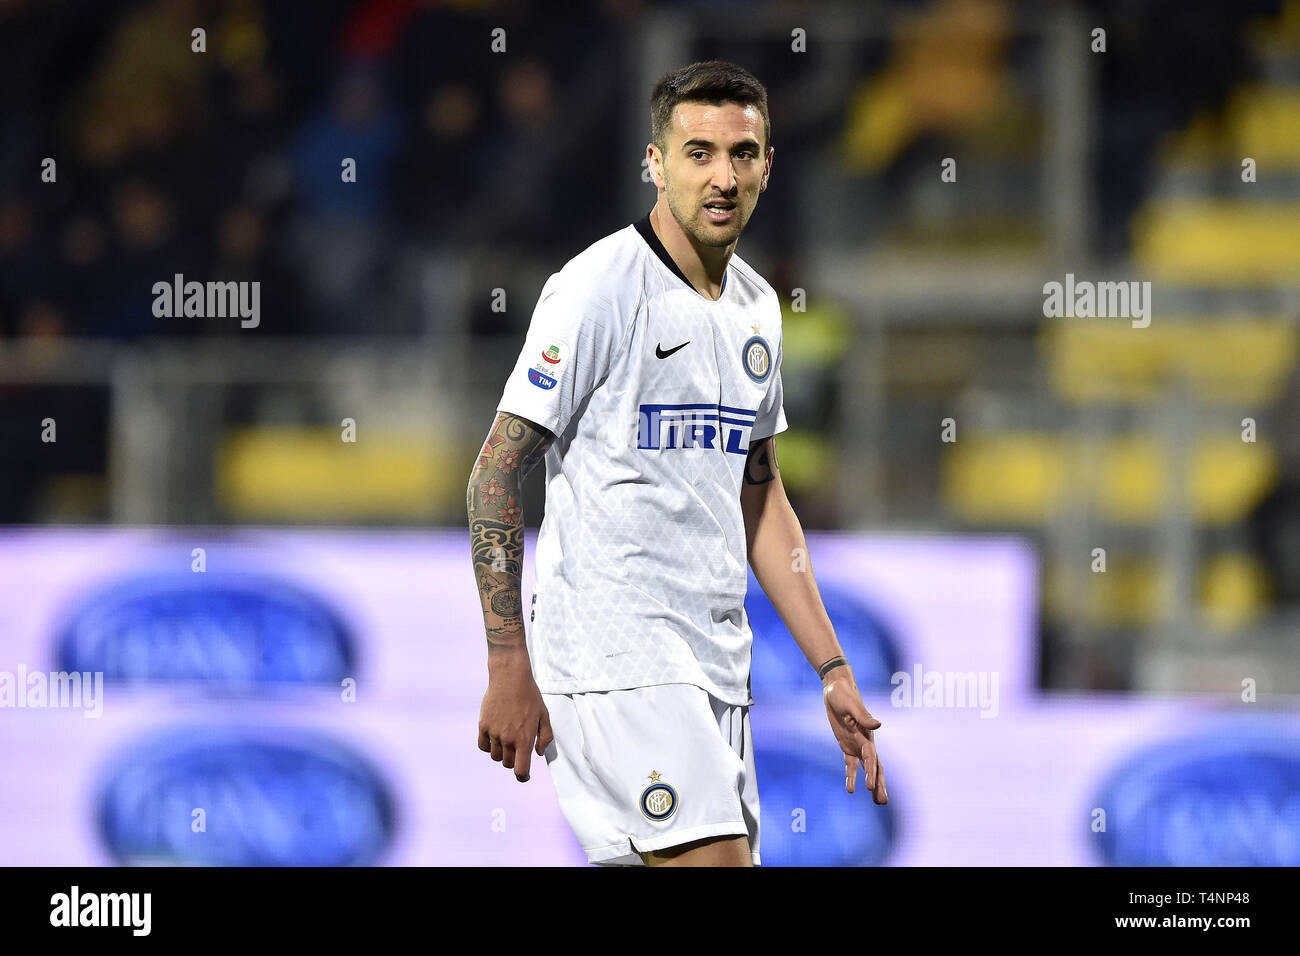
x: 316, y: 688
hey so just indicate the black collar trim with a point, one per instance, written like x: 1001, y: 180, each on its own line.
x: 648, y: 234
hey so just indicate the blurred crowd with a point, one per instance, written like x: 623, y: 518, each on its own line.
x: 227, y: 164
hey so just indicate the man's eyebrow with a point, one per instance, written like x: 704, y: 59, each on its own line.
x: 707, y: 144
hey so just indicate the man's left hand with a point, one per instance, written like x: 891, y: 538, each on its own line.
x: 854, y: 728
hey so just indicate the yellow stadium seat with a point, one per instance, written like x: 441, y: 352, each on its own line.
x: 1259, y: 121
x: 1232, y: 591
x: 1219, y: 242
x: 1232, y: 360
x: 287, y: 472
x: 1027, y: 477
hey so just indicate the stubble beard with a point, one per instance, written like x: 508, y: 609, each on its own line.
x: 698, y: 227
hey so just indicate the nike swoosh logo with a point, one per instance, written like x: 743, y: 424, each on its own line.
x: 660, y: 353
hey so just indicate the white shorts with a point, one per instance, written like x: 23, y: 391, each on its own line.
x: 652, y: 767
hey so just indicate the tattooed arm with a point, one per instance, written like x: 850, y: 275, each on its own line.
x: 778, y: 553
x: 513, y: 714
x: 494, y: 501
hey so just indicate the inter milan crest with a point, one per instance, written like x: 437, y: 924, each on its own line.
x: 758, y: 358
x: 658, y: 801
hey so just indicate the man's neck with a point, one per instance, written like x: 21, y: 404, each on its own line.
x: 703, y: 267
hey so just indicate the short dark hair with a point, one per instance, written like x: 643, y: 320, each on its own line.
x: 714, y: 82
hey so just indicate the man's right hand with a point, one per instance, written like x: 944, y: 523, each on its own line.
x: 513, y: 718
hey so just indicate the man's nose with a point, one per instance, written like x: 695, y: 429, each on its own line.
x: 724, y: 176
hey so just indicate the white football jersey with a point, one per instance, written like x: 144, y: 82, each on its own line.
x: 654, y: 393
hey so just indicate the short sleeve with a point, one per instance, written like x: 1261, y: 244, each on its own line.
x: 566, y: 355
x: 770, y: 419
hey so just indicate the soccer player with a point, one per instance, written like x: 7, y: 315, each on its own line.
x: 650, y: 383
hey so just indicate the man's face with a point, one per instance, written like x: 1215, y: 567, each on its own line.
x: 715, y: 156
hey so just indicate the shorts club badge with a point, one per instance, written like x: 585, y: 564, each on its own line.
x: 659, y: 800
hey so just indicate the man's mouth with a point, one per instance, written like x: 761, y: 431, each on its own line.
x: 720, y: 211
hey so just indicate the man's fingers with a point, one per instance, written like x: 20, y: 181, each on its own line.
x: 544, y: 734
x: 862, y: 720
x: 869, y: 762
x: 880, y: 795
x: 523, y: 760
x: 862, y: 744
x: 513, y: 749
x: 850, y: 772
x: 861, y: 728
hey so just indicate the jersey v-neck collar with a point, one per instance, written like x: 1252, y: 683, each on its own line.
x: 647, y: 232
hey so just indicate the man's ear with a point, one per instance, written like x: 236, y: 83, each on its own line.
x: 654, y: 162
